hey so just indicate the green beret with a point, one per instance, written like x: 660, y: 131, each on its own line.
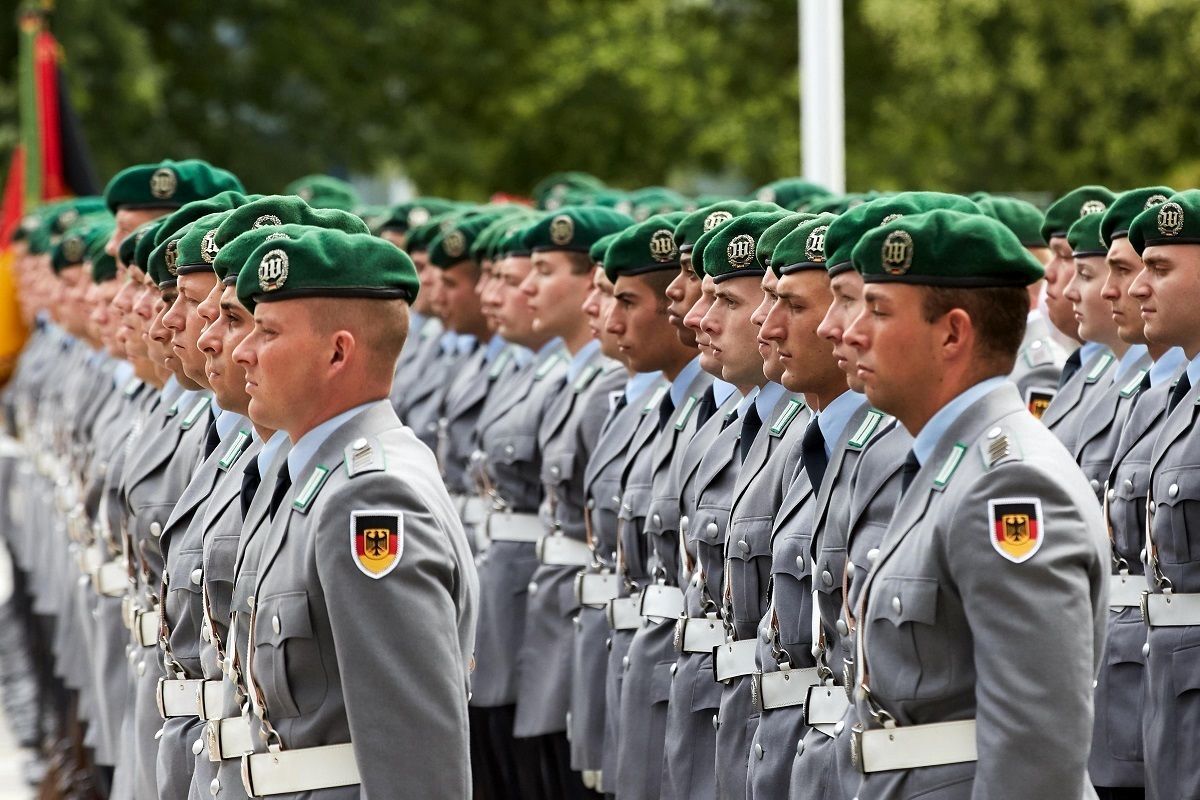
x: 167, y: 184
x: 232, y: 257
x: 511, y: 243
x: 1022, y: 218
x: 1063, y: 212
x: 420, y: 237
x: 696, y: 223
x: 772, y: 236
x: 1176, y: 221
x: 853, y: 223
x: 145, y: 244
x: 501, y: 238
x: 1128, y: 205
x: 791, y: 193
x: 72, y: 249
x: 600, y: 249
x: 163, y: 259
x: 198, y: 247
x: 574, y: 229
x: 68, y: 213
x: 1084, y: 237
x: 414, y: 213
x: 197, y: 209
x: 127, y: 249
x: 728, y: 250
x: 324, y: 191
x: 454, y: 245
x: 652, y: 201
x: 104, y: 266
x: 326, y: 263
x: 283, y: 209
x: 945, y: 248
x: 804, y: 247
x: 552, y: 188
x: 648, y: 246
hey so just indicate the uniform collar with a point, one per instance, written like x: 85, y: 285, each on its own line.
x: 122, y: 373
x: 639, y: 383
x: 1193, y: 371
x: 447, y: 342
x: 722, y: 391
x: 947, y: 415
x: 270, y: 448
x: 465, y: 343
x: 768, y: 395
x: 304, y: 450
x: 494, y: 346
x: 228, y: 422
x: 747, y: 400
x: 171, y: 390
x: 1126, y: 362
x: 683, y: 380
x: 580, y: 359
x: 1089, y: 349
x: 1166, y: 366
x: 833, y: 418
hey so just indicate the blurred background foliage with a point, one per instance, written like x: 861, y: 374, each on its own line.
x: 467, y: 97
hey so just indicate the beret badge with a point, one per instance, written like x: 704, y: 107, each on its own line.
x: 814, y: 245
x: 1170, y: 219
x: 716, y: 218
x: 418, y: 216
x: 1155, y: 200
x: 455, y: 244
x: 1092, y: 207
x: 273, y: 270
x: 662, y: 246
x: 171, y: 255
x: 163, y: 183
x: 897, y: 253
x: 562, y: 230
x: 208, y: 246
x: 265, y: 220
x: 740, y: 251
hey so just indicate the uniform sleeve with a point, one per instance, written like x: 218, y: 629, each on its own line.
x: 1034, y: 631
x: 396, y: 639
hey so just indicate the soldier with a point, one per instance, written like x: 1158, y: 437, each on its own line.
x: 362, y: 530
x: 1059, y: 217
x: 993, y: 515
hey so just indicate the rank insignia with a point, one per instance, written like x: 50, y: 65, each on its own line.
x: 1037, y: 400
x: 1016, y: 527
x: 273, y: 270
x: 897, y: 253
x: 1170, y: 219
x: 377, y: 541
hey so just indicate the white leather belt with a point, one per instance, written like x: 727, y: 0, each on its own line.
x: 209, y: 699
x: 563, y: 551
x: 111, y: 579
x: 783, y: 689
x: 471, y: 508
x: 914, y: 746
x: 623, y: 614
x: 826, y: 704
x: 734, y: 659
x: 128, y: 612
x: 89, y: 560
x: 661, y: 602
x: 508, y: 527
x: 145, y: 628
x: 595, y: 589
x: 696, y: 635
x: 1125, y: 590
x: 305, y: 770
x: 177, y: 698
x: 1170, y: 610
x: 228, y: 738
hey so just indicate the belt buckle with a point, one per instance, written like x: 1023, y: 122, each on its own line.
x: 579, y: 578
x: 680, y: 633
x: 756, y: 695
x: 856, y: 734
x: 159, y: 699
x: 1144, y: 605
x: 247, y: 777
x: 212, y: 732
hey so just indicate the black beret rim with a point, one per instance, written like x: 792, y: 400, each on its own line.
x: 230, y: 279
x: 1119, y: 235
x: 801, y: 266
x: 837, y: 269
x: 513, y: 254
x: 1088, y: 253
x: 452, y: 264
x: 1172, y: 240
x: 1034, y: 243
x: 188, y: 269
x: 167, y: 284
x: 951, y: 282
x: 361, y: 292
x: 686, y: 248
x: 658, y: 266
x: 740, y: 273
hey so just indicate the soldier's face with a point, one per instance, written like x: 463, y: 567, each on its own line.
x: 104, y: 322
x: 489, y: 299
x: 556, y: 293
x: 692, y: 320
x: 597, y: 308
x: 638, y: 322
x: 283, y: 356
x: 768, y: 349
x: 1093, y: 313
x: 683, y: 293
x: 128, y: 221
x: 1168, y: 294
x: 847, y: 289
x: 1124, y: 264
x: 185, y: 322
x: 458, y: 302
x: 1058, y: 274
x: 732, y: 337
x: 226, y: 331
x: 514, y: 320
x: 428, y: 276
x: 132, y: 332
x: 159, y: 341
x: 808, y: 364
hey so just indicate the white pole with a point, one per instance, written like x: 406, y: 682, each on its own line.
x: 822, y: 100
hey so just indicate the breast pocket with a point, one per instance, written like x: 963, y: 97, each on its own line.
x: 511, y: 450
x: 1126, y: 688
x: 906, y: 653
x: 183, y: 602
x: 792, y: 577
x: 749, y: 552
x: 1127, y: 509
x: 1177, y: 493
x: 287, y: 660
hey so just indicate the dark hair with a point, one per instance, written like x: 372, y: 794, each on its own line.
x: 998, y: 315
x: 581, y: 263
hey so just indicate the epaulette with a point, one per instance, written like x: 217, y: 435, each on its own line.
x: 998, y: 447
x: 234, y: 450
x: 586, y: 377
x: 1101, y: 367
x: 500, y: 363
x: 1134, y: 383
x: 1037, y: 353
x: 362, y: 456
x: 784, y: 420
x: 194, y: 413
x: 866, y: 430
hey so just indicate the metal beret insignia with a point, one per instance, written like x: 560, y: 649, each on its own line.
x: 716, y: 218
x: 562, y: 230
x: 265, y: 220
x: 171, y: 255
x: 897, y: 253
x: 740, y: 251
x: 208, y: 246
x: 1092, y: 207
x: 273, y: 270
x: 814, y: 245
x: 72, y: 249
x: 272, y: 237
x: 1170, y: 219
x: 418, y: 216
x: 890, y: 218
x: 662, y: 246
x: 305, y: 194
x: 67, y: 218
x: 163, y: 183
x: 1155, y: 200
x: 455, y: 244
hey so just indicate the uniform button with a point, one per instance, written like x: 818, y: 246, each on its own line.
x: 532, y: 587
x: 155, y: 529
x: 141, y: 668
x: 616, y: 500
x: 359, y: 444
x: 1173, y: 490
x: 158, y: 734
x: 555, y: 471
x: 800, y: 748
x: 1095, y: 485
x: 1146, y: 650
x: 896, y: 605
x: 839, y: 727
x: 711, y: 529
x: 716, y: 722
x: 758, y: 751
x: 591, y: 503
x: 197, y: 574
x: 683, y: 522
x: 509, y: 450
x: 578, y: 622
x: 850, y: 567
x: 827, y: 578
x: 656, y: 519
x: 1128, y: 485
x: 275, y: 623
x: 799, y: 562
x: 250, y: 601
x: 993, y: 433
x: 214, y: 787
x: 627, y: 508
x: 842, y: 627
x: 1036, y: 344
x: 1112, y: 494
x: 873, y: 555
x: 743, y: 545
x: 197, y: 746
x: 625, y: 662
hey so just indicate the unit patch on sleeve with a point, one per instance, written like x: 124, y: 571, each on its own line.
x: 1037, y: 399
x: 1016, y: 527
x: 376, y: 541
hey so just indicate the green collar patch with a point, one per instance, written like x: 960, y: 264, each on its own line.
x: 194, y: 413
x: 1101, y: 367
x: 655, y: 399
x: 235, y: 450
x: 785, y: 417
x: 131, y: 388
x: 173, y: 410
x: 949, y: 466
x: 546, y: 366
x: 315, y: 481
x: 500, y: 363
x: 1131, y: 388
x: 585, y: 379
x: 686, y: 412
x: 866, y: 430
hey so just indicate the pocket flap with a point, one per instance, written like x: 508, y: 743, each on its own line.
x: 750, y: 539
x: 899, y: 600
x: 660, y: 682
x: 1185, y: 669
x: 513, y: 449
x: 284, y: 617
x: 1177, y: 487
x: 791, y: 556
x: 187, y: 571
x: 558, y: 468
x: 221, y: 559
x: 708, y: 526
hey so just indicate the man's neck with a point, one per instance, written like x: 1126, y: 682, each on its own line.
x: 344, y: 403
x: 684, y: 357
x: 577, y: 339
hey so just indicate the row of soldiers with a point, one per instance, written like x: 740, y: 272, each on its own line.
x: 625, y: 494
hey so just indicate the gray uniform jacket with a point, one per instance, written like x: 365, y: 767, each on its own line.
x: 372, y: 652
x: 421, y: 349
x: 1039, y: 365
x: 987, y: 602
x: 1064, y: 414
x: 1100, y: 426
x: 424, y: 395
x: 465, y: 400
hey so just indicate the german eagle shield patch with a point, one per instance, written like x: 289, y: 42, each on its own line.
x: 376, y: 541
x: 1016, y: 527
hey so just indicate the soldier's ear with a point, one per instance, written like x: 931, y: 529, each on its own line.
x: 343, y: 346
x: 957, y: 332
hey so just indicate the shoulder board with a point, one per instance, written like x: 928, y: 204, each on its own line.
x: 310, y: 488
x: 546, y: 366
x: 1101, y: 367
x: 363, y: 456
x: 1037, y: 352
x: 949, y: 466
x: 998, y: 447
x: 499, y: 364
x: 1131, y: 388
x: 194, y: 413
x: 789, y: 413
x: 235, y: 449
x: 866, y: 430
x: 586, y: 377
x: 173, y: 410
x: 686, y: 412
x: 131, y: 388
x: 655, y: 399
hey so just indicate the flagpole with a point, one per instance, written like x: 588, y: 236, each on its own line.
x: 822, y: 94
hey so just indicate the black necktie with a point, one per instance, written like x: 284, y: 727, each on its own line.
x: 909, y: 471
x: 1141, y: 390
x: 707, y: 407
x: 750, y: 425
x: 211, y: 439
x: 1179, y: 391
x: 730, y: 418
x: 1074, y: 362
x: 282, y: 484
x: 617, y: 408
x: 250, y: 481
x: 812, y: 451
x: 665, y: 409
